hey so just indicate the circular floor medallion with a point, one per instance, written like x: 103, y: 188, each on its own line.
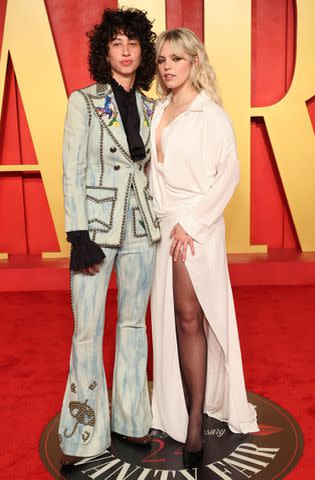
x: 269, y: 454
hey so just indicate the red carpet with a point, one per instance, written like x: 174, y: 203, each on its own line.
x: 277, y: 335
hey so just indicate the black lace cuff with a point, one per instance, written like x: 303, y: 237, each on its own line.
x: 84, y: 252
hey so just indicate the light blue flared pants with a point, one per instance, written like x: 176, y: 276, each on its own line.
x: 85, y: 424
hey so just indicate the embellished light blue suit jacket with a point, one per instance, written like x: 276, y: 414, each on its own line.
x: 99, y: 171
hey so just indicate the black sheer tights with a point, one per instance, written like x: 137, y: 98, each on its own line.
x: 192, y: 351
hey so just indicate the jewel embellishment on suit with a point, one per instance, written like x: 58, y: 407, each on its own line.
x: 85, y: 436
x: 92, y: 385
x: 83, y: 414
x: 110, y: 110
x: 73, y: 388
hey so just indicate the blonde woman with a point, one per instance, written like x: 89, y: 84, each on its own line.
x: 193, y: 174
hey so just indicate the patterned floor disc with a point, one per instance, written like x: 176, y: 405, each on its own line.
x: 269, y: 454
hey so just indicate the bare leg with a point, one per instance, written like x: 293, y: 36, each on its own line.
x: 192, y: 351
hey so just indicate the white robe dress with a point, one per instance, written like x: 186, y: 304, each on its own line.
x: 192, y: 187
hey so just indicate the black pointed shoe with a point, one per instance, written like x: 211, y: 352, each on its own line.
x: 192, y: 459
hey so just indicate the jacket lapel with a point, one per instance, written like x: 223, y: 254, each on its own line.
x: 105, y: 107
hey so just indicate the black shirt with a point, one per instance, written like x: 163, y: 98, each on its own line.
x: 127, y: 106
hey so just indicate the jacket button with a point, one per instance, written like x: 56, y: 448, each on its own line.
x: 116, y: 167
x: 113, y: 149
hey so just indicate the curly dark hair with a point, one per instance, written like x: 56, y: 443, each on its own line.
x: 134, y: 24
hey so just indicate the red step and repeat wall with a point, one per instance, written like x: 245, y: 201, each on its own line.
x: 26, y: 223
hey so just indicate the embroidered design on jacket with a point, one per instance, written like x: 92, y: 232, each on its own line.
x: 136, y: 221
x: 110, y: 109
x: 148, y: 109
x: 100, y: 112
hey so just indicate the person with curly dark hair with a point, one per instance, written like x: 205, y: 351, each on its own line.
x: 133, y: 24
x: 110, y: 223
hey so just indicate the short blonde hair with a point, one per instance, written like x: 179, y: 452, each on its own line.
x: 202, y: 75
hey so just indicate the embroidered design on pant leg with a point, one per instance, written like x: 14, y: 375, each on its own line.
x: 92, y: 385
x: 83, y: 414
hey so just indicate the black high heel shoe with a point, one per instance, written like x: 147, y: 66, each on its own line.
x: 192, y: 459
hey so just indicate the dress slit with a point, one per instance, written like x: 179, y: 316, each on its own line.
x: 225, y: 396
x: 214, y: 347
